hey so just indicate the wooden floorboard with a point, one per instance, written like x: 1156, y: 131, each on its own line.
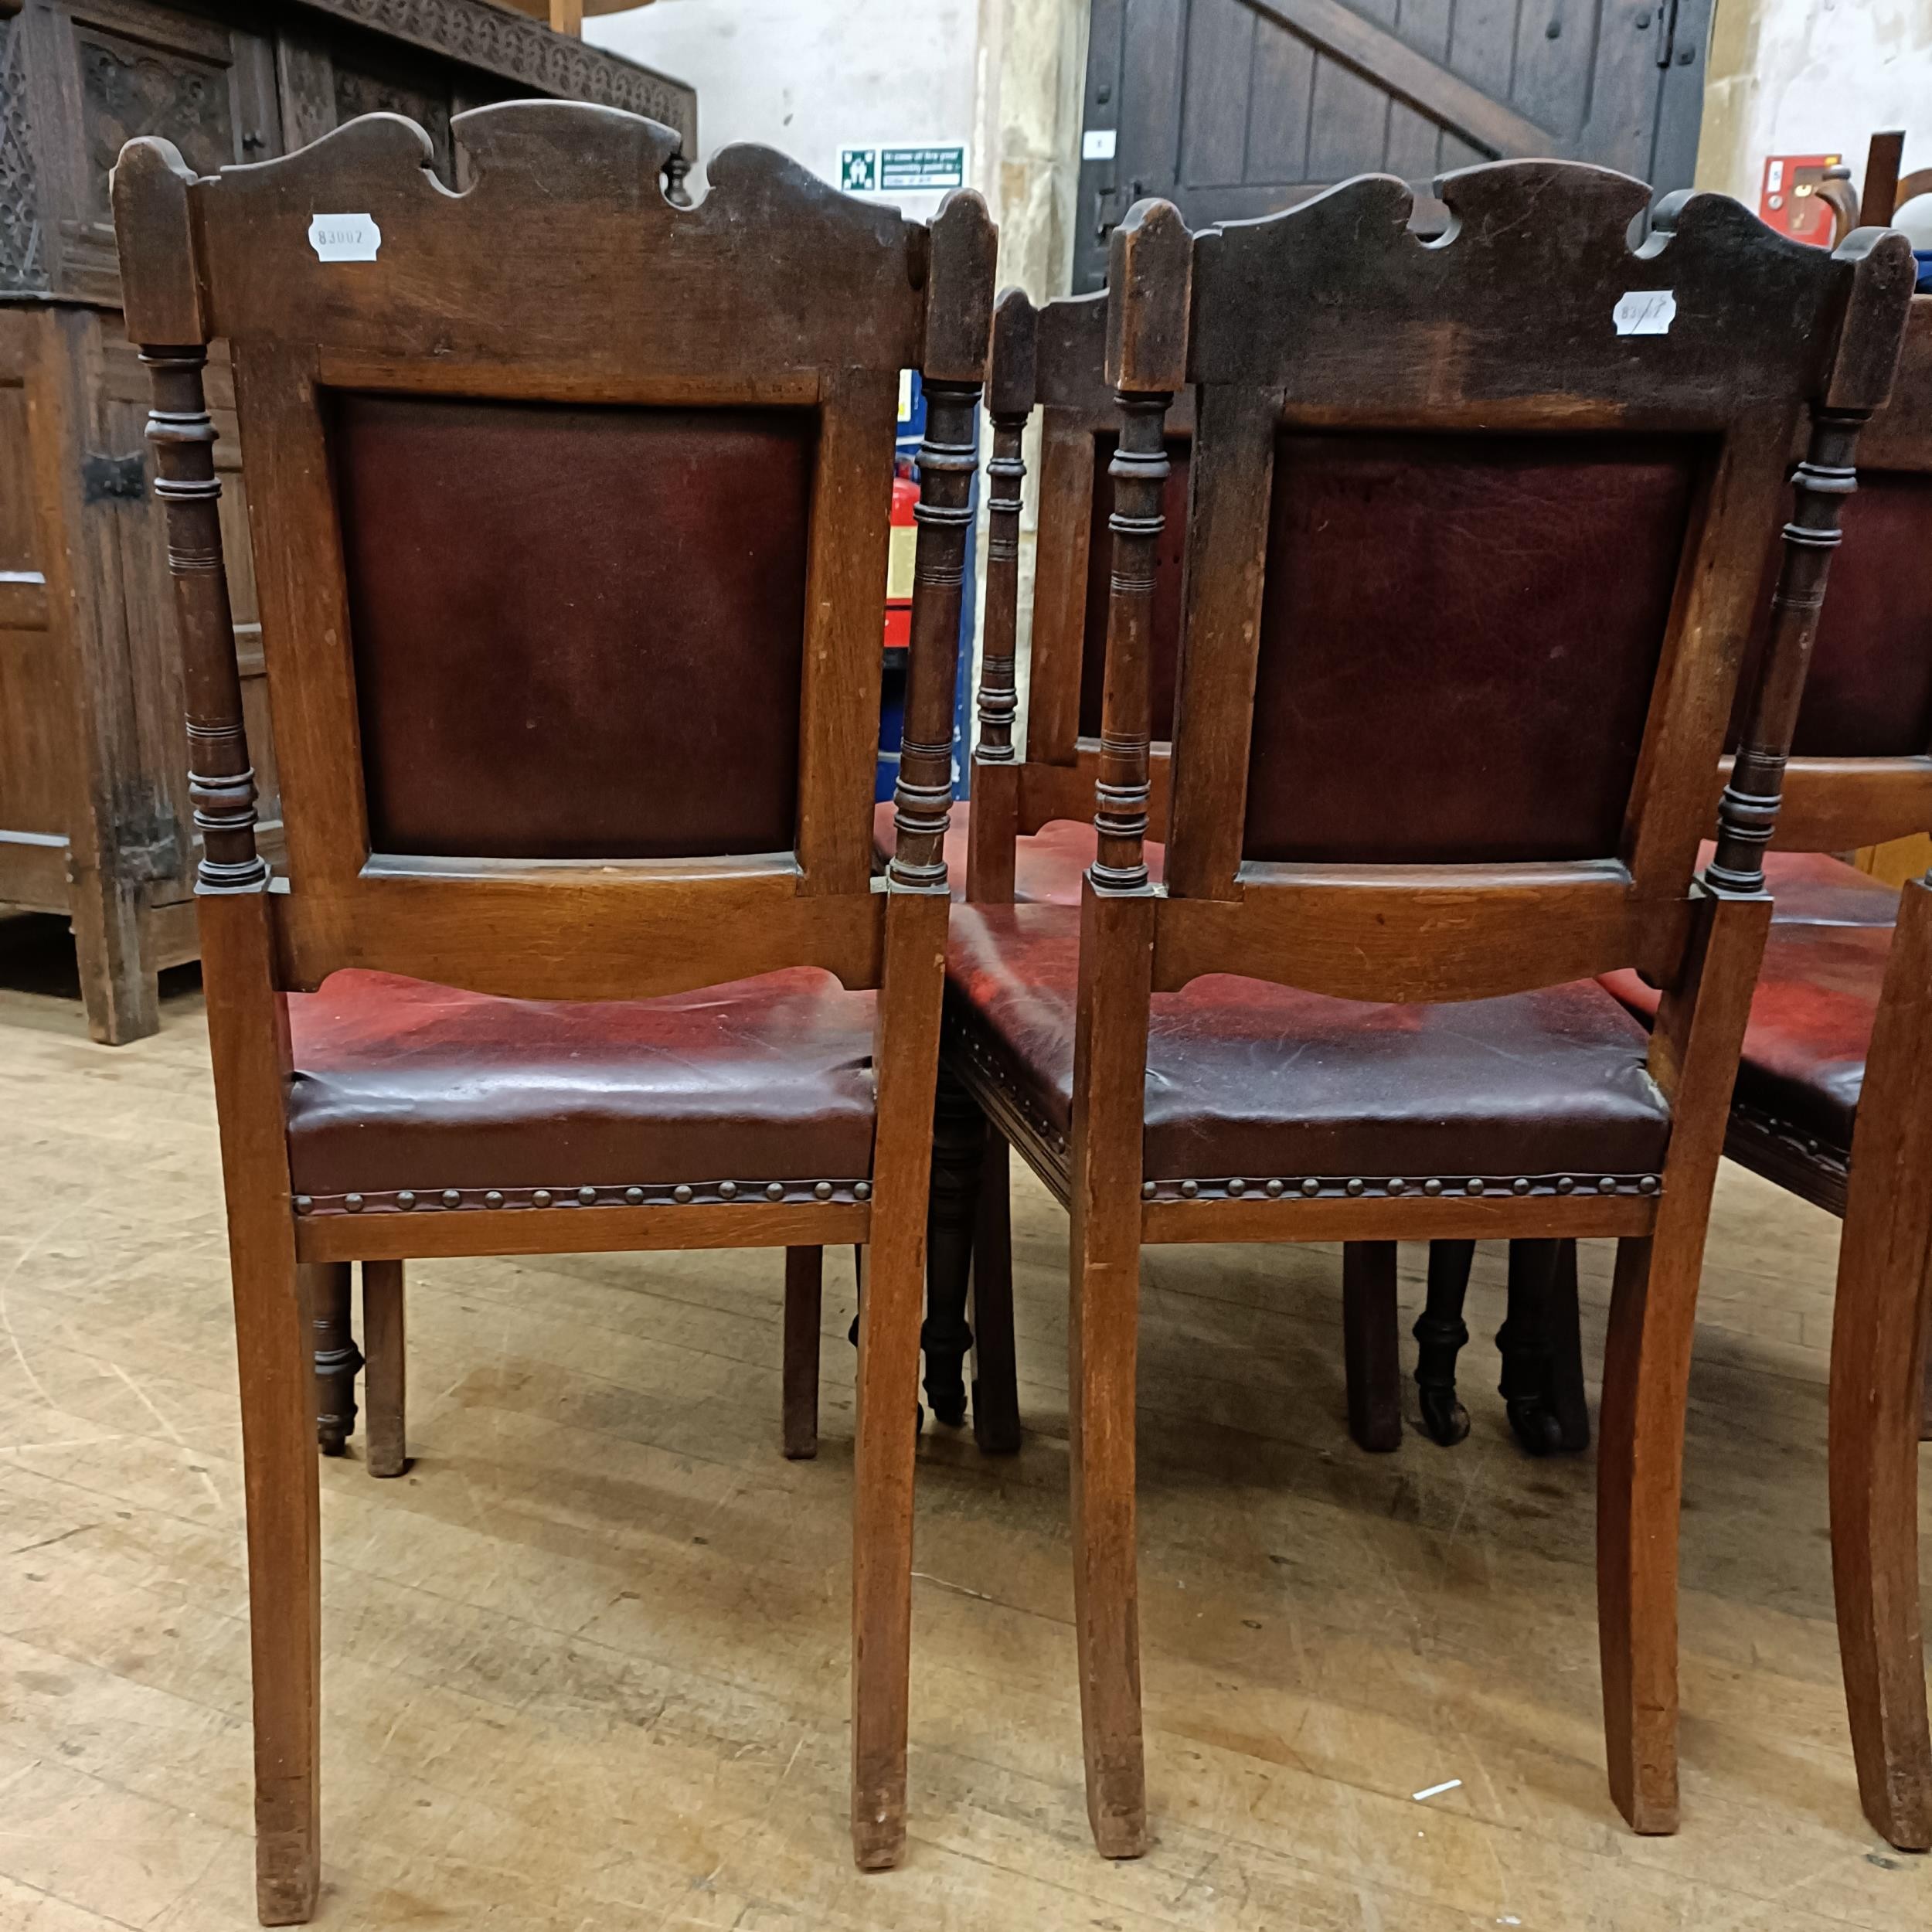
x: 585, y: 1665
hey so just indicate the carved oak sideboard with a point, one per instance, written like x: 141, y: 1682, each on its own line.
x: 94, y: 820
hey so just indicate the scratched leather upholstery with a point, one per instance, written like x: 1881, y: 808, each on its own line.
x: 402, y: 1084
x: 1816, y: 1000
x: 1459, y: 637
x: 578, y: 631
x: 1164, y: 639
x: 1253, y: 1079
x: 1048, y: 865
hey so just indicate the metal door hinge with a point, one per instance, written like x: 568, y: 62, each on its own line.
x: 112, y: 479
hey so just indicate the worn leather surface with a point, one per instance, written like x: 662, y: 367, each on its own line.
x: 578, y: 631
x: 1047, y: 867
x: 1459, y: 636
x: 1165, y: 640
x: 1253, y: 1079
x: 1869, y: 691
x: 1816, y: 1004
x: 402, y: 1084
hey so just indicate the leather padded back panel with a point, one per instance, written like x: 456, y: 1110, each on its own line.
x: 1868, y: 693
x: 1167, y: 590
x: 578, y: 632
x: 1459, y: 637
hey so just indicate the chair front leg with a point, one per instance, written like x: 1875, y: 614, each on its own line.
x: 995, y: 1376
x: 804, y: 1304
x: 1441, y: 1336
x: 1524, y: 1341
x: 959, y: 1149
x: 338, y: 1361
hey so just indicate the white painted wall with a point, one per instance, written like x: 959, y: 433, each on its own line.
x: 811, y: 77
x: 1815, y: 76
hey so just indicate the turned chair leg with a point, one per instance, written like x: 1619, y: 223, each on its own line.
x: 1371, y: 1354
x: 1541, y: 1343
x: 995, y: 1376
x: 1440, y: 1335
x: 804, y: 1299
x: 385, y: 1386
x: 337, y: 1358
x: 959, y: 1147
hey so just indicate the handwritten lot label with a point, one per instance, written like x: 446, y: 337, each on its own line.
x: 1646, y: 311
x: 344, y: 238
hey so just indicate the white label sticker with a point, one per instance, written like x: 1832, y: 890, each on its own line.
x: 1097, y: 144
x: 344, y: 238
x: 1646, y: 311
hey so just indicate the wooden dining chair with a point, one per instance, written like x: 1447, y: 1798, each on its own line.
x: 1831, y: 1100
x: 569, y: 519
x: 1440, y: 752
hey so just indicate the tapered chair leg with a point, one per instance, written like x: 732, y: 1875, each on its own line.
x: 1441, y: 1336
x: 1370, y: 1352
x: 1106, y: 1573
x: 272, y: 1314
x: 338, y: 1361
x: 1878, y: 1358
x: 1639, y: 1475
x: 995, y: 1376
x: 804, y: 1300
x: 386, y: 1386
x: 959, y: 1146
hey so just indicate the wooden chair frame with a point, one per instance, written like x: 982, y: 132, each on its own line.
x: 562, y: 274
x: 1333, y: 316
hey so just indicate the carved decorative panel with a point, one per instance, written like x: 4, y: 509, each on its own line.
x: 358, y: 91
x: 127, y: 89
x: 22, y: 260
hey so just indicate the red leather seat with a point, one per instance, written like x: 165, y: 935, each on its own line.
x: 1047, y: 865
x: 400, y: 1085
x: 1261, y: 1081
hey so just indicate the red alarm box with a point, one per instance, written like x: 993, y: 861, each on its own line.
x: 1788, y: 198
x: 904, y: 541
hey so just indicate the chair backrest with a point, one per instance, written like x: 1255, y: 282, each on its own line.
x: 569, y: 519
x: 1474, y: 537
x: 1861, y: 766
x: 1053, y: 357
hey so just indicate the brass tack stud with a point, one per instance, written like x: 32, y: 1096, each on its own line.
x: 1607, y: 1184
x: 1190, y: 1188
x: 775, y: 1191
x: 1277, y: 1186
x: 727, y: 1190
x: 304, y: 1202
x: 1357, y: 1185
x: 1475, y: 1184
x: 353, y: 1203
x: 822, y: 1189
x: 1647, y: 1184
x: 541, y: 1198
x: 1311, y: 1185
x: 405, y: 1200
x: 1237, y: 1186
x: 635, y: 1196
x: 1564, y: 1184
x: 492, y: 1199
x: 862, y: 1190
x: 587, y: 1196
x: 1520, y: 1184
x: 452, y: 1197
x: 1397, y: 1185
x: 1148, y: 1190
x: 681, y: 1193
x: 1432, y: 1185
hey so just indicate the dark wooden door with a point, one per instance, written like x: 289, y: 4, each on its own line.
x: 1233, y: 108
